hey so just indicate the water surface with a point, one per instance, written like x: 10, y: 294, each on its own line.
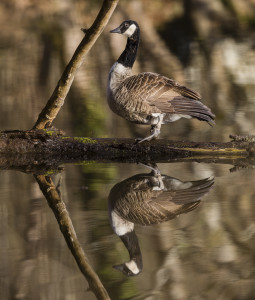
x: 206, y: 252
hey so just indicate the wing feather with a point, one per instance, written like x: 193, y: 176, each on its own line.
x: 152, y: 92
x: 152, y: 86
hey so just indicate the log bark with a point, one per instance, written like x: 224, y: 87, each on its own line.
x: 42, y: 150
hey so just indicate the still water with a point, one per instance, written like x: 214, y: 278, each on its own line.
x: 206, y: 250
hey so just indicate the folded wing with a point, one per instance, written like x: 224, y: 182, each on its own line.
x: 155, y: 92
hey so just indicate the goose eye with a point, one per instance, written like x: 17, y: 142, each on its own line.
x: 126, y: 25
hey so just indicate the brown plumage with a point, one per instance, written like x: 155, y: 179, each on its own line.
x: 148, y: 199
x: 149, y: 98
x: 142, y: 95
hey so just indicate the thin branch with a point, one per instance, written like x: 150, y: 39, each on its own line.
x: 65, y: 223
x: 50, y: 111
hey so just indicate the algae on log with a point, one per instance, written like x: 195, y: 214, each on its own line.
x: 54, y: 145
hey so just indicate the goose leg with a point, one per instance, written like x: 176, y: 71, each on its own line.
x: 154, y: 135
x: 155, y: 131
x: 156, y: 178
x: 153, y: 167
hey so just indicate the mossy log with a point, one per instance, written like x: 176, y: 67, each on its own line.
x: 41, y: 149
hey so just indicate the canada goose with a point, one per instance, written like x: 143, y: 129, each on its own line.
x: 149, y: 98
x: 148, y: 199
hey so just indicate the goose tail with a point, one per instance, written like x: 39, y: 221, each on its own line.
x: 193, y: 108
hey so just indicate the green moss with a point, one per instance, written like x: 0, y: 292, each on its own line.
x: 85, y: 140
x: 53, y: 132
x: 50, y: 132
x: 51, y: 172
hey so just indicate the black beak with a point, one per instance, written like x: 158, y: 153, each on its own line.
x: 119, y: 267
x: 116, y: 30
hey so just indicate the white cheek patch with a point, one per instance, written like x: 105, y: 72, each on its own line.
x: 130, y: 31
x: 132, y: 266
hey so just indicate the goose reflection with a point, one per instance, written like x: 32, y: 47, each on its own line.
x: 147, y: 199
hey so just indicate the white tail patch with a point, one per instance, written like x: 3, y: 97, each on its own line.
x: 175, y: 117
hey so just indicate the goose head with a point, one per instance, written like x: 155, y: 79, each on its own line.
x: 130, y: 268
x: 128, y: 28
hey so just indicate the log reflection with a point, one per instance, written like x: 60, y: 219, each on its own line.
x: 52, y: 195
x: 148, y: 199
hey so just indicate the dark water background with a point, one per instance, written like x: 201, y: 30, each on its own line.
x: 207, y: 253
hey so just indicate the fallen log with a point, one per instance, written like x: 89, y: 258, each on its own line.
x: 46, y: 149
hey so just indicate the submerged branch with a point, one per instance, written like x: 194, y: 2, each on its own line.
x: 58, y: 206
x: 57, y: 99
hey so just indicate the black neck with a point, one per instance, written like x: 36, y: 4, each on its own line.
x: 128, y: 56
x: 131, y: 242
